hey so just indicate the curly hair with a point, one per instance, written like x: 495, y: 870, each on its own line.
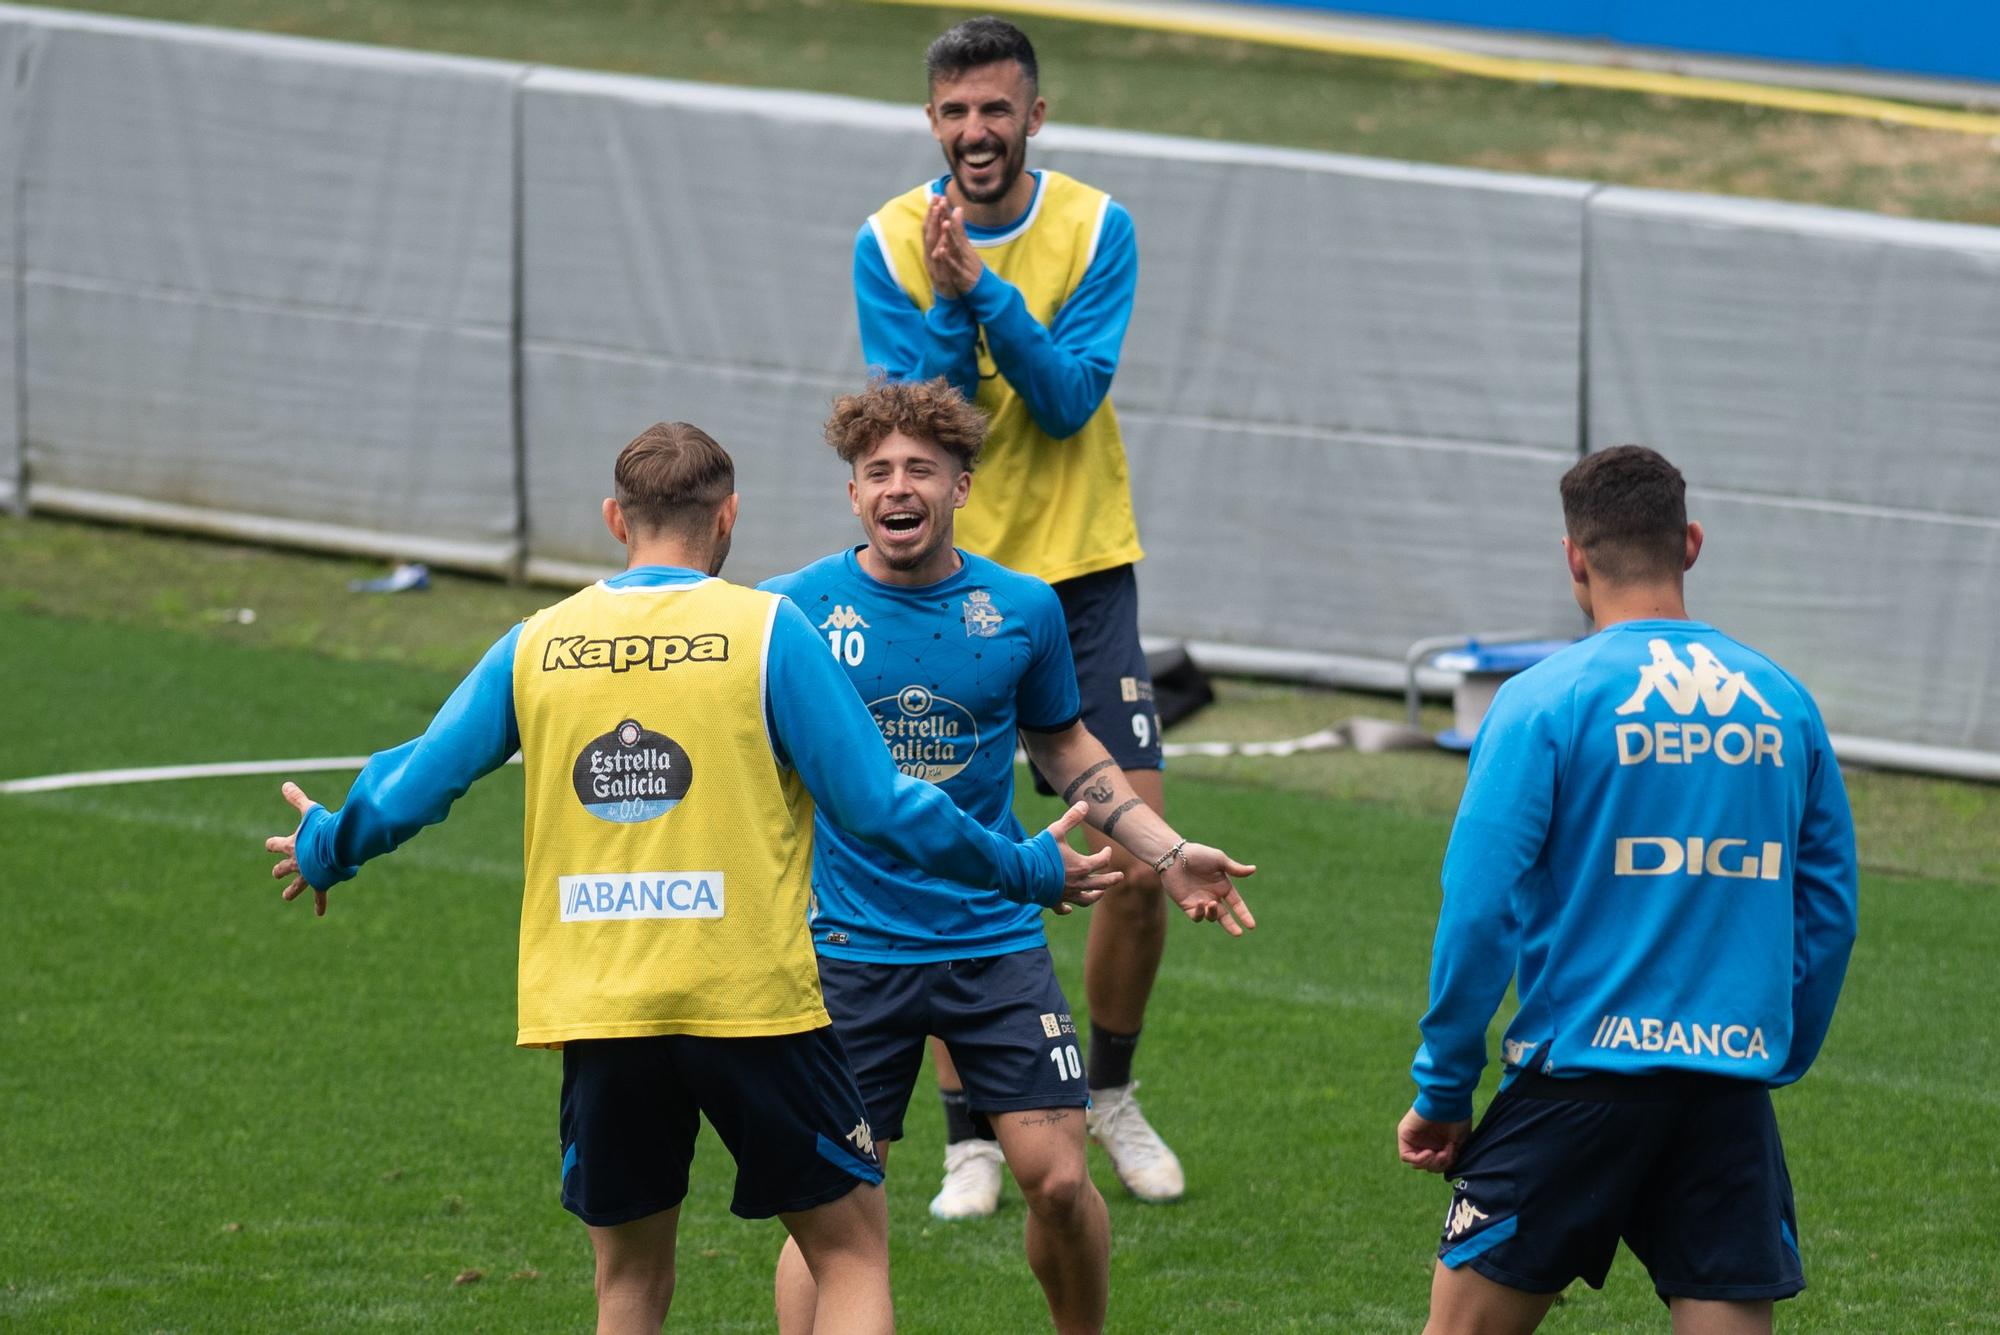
x: 928, y: 410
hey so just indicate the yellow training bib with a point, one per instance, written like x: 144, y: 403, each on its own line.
x: 668, y: 856
x: 1053, y: 508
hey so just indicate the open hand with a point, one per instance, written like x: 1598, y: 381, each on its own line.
x: 1427, y: 1145
x: 950, y: 258
x: 288, y: 845
x: 1084, y: 876
x: 1199, y: 881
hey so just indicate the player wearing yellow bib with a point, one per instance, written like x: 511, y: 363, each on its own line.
x: 1017, y: 286
x: 676, y: 732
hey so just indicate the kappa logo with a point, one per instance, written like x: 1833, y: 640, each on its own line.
x: 622, y: 653
x: 1464, y: 1214
x: 982, y: 618
x: 844, y: 617
x: 862, y: 1139
x: 1707, y: 683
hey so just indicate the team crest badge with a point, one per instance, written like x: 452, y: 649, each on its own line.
x: 982, y: 618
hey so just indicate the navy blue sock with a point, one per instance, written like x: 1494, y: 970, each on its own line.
x: 958, y: 1124
x: 1110, y: 1057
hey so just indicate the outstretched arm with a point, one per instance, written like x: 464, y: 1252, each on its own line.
x: 1195, y: 876
x: 403, y: 789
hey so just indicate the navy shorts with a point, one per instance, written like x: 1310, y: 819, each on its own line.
x: 785, y: 1106
x: 1003, y: 1017
x: 1112, y: 679
x: 1687, y: 1169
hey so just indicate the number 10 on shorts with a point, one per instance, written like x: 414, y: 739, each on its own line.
x: 1069, y: 1066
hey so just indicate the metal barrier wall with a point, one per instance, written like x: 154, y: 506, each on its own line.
x: 1830, y: 384
x: 269, y: 283
x: 382, y: 302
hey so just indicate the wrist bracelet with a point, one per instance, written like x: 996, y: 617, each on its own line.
x: 1169, y: 858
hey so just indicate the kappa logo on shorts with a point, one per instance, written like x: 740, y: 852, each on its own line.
x: 863, y: 1139
x: 1462, y: 1216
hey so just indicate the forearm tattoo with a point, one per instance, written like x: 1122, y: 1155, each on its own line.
x: 1111, y: 821
x: 1069, y: 793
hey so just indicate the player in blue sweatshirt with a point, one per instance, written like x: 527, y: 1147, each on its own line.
x: 1655, y: 847
x: 954, y: 656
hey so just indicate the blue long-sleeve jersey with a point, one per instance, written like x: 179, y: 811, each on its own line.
x: 1062, y: 371
x: 817, y: 724
x: 1655, y: 845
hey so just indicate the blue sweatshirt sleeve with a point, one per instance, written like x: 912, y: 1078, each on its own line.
x: 822, y: 729
x: 1064, y: 371
x: 1825, y: 906
x: 402, y: 790
x: 903, y: 342
x: 1496, y: 844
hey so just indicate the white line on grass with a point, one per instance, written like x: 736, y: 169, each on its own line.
x: 1360, y: 734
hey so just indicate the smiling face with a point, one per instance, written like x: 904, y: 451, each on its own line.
x: 982, y: 119
x: 904, y: 490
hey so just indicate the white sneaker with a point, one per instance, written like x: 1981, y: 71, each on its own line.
x: 1145, y: 1165
x: 972, y: 1172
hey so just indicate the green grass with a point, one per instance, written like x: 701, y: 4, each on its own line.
x: 1193, y: 86
x: 221, y: 1114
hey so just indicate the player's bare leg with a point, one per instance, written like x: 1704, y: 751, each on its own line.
x: 819, y: 1257
x: 1128, y: 935
x: 1465, y: 1302
x: 1703, y: 1316
x: 972, y: 1166
x: 635, y: 1273
x: 1069, y: 1228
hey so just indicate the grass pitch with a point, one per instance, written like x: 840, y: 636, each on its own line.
x: 220, y: 1114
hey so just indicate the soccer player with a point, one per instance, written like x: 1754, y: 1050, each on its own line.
x: 955, y: 655
x: 677, y: 732
x: 1655, y: 845
x: 1016, y: 286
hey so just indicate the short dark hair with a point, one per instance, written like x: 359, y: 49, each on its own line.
x: 977, y: 42
x: 931, y: 410
x: 1626, y: 507
x: 672, y: 476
